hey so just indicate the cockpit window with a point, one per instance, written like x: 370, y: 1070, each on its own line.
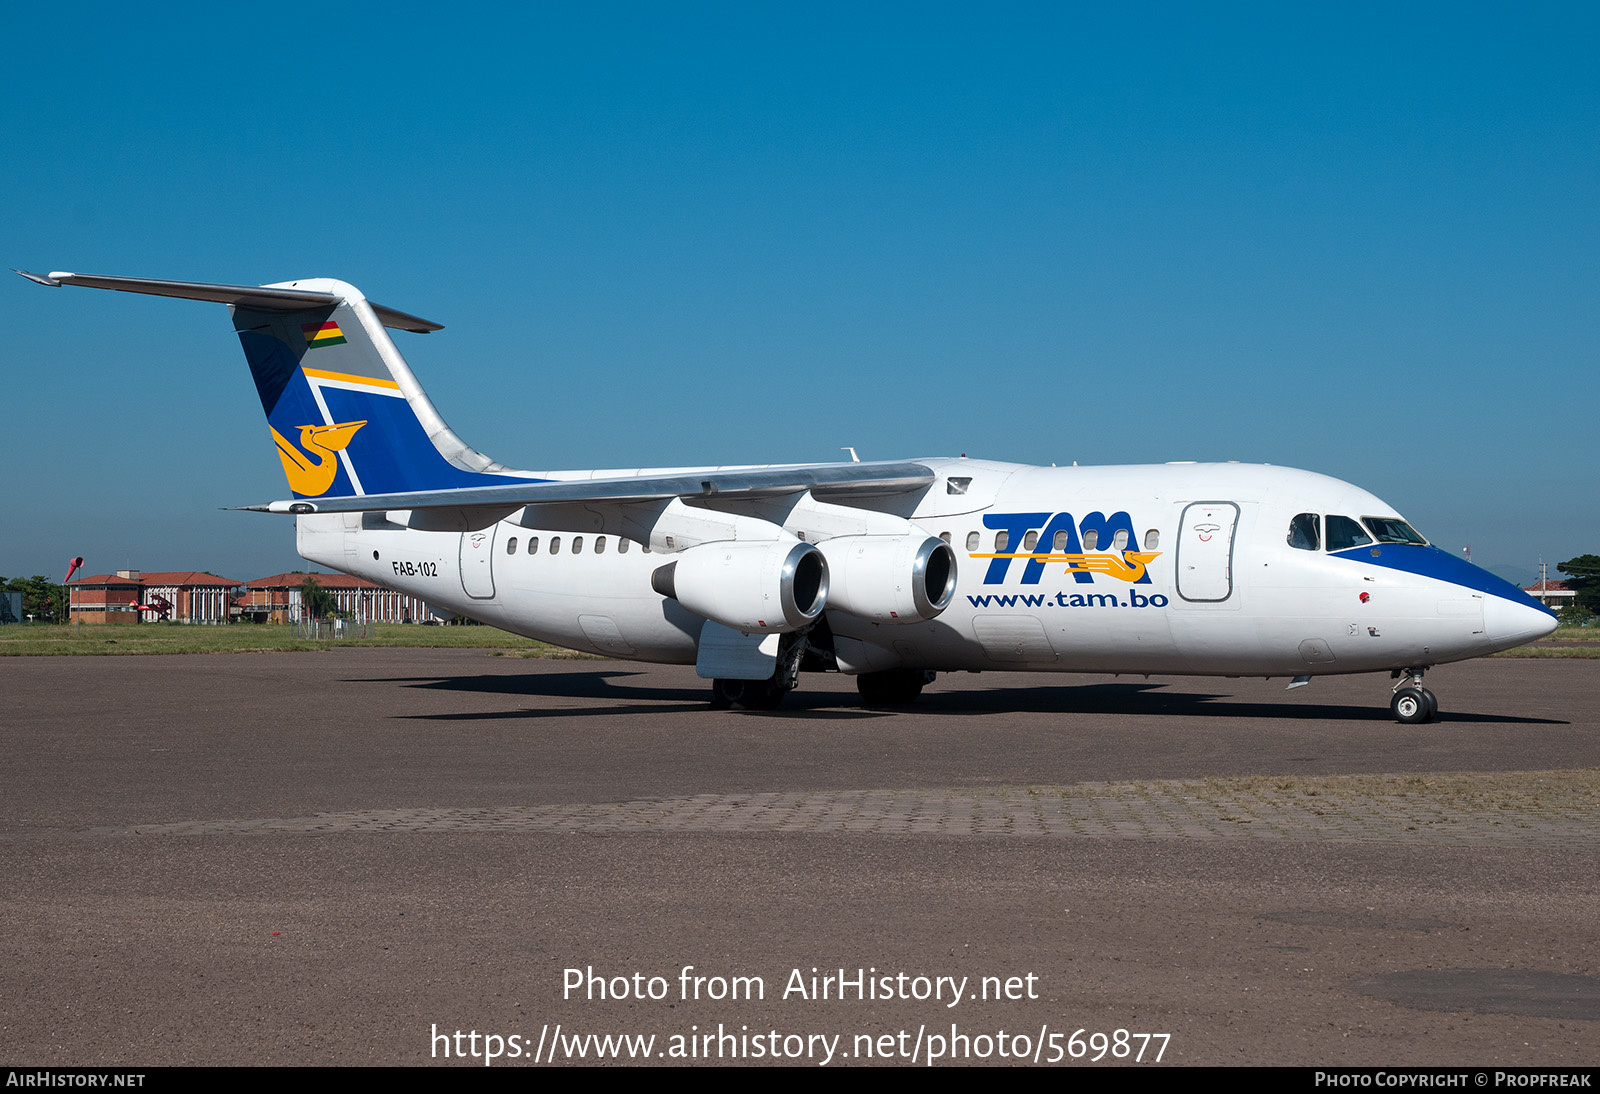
x: 1344, y: 533
x: 1303, y: 534
x: 1392, y: 530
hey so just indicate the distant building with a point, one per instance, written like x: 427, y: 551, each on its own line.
x: 189, y: 596
x: 276, y: 599
x: 1552, y: 594
x: 195, y: 597
x: 105, y: 598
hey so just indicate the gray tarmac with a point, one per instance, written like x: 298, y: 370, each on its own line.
x: 347, y: 857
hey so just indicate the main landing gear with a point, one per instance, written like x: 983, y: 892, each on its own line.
x: 893, y: 687
x: 746, y: 694
x: 764, y: 694
x: 1412, y: 704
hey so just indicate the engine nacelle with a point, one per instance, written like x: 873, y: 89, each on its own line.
x: 890, y: 579
x: 768, y: 587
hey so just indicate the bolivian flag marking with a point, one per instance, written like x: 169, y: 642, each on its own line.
x: 323, y: 334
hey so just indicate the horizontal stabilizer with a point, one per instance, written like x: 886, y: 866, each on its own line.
x: 262, y: 298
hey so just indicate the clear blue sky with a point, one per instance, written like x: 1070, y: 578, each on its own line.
x: 1359, y: 239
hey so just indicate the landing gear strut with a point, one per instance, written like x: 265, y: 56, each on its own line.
x: 1412, y: 704
x: 764, y: 694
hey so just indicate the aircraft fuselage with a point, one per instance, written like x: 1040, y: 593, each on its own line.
x: 1176, y: 568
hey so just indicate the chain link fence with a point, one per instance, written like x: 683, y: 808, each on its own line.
x: 334, y: 629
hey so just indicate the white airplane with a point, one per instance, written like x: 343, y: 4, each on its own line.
x: 890, y: 572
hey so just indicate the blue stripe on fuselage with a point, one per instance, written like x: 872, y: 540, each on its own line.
x: 1441, y: 565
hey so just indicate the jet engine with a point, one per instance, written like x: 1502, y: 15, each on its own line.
x: 768, y: 587
x: 890, y: 579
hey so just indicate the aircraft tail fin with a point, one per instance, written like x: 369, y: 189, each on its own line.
x: 346, y: 414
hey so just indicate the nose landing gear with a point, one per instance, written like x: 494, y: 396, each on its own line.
x: 1412, y: 704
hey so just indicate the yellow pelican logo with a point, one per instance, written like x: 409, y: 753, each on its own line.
x: 311, y: 471
x: 1130, y: 570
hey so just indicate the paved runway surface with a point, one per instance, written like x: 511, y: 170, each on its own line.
x: 332, y: 857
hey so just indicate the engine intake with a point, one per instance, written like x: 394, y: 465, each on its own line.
x: 891, y: 579
x: 767, y: 587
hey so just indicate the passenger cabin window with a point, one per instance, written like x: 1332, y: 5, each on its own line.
x: 1119, y: 542
x: 1091, y: 539
x: 1030, y: 541
x: 972, y: 541
x: 1303, y: 534
x: 533, y: 545
x: 945, y: 536
x: 1002, y: 540
x: 1060, y: 542
x: 1152, y: 539
x: 599, y: 545
x: 511, y: 545
x: 1393, y: 530
x: 622, y: 546
x: 555, y: 545
x: 1344, y: 533
x: 577, y: 545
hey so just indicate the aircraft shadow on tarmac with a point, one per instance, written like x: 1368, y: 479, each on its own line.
x: 598, y: 685
x: 1135, y: 698
x: 1167, y: 699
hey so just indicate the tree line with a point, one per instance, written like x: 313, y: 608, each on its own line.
x: 41, y: 598
x: 1583, y: 578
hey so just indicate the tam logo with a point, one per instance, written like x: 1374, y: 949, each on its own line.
x: 1061, y: 539
x: 312, y: 465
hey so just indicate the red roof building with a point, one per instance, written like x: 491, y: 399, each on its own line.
x: 1552, y: 594
x: 134, y: 596
x: 105, y: 598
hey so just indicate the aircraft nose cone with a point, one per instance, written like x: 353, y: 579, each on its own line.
x: 1507, y: 623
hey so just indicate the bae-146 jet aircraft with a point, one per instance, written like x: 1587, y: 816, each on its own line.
x: 890, y: 572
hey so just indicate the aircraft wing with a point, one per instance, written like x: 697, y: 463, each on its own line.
x: 827, y: 480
